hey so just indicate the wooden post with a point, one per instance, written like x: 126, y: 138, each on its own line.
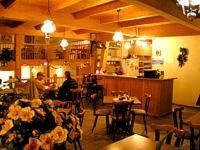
x: 47, y: 57
x: 19, y: 46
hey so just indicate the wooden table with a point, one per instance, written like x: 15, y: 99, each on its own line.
x: 136, y: 142
x: 195, y: 119
x: 109, y: 100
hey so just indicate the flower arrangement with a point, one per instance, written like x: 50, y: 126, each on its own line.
x: 36, y: 125
x: 183, y: 56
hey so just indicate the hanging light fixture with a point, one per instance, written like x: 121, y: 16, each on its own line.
x: 118, y: 36
x: 48, y: 27
x: 64, y: 43
x: 191, y: 8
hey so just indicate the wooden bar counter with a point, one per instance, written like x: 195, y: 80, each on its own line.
x: 161, y: 90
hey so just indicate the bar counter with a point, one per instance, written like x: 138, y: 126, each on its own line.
x: 161, y: 90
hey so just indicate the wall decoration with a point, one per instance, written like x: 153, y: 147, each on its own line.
x: 183, y: 56
x: 6, y: 38
x: 6, y: 56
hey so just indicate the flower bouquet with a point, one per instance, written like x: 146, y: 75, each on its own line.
x: 35, y: 125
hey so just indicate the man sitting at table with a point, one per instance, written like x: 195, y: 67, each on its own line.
x: 64, y: 92
x: 43, y: 89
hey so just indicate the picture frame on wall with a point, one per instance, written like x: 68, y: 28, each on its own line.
x: 7, y: 38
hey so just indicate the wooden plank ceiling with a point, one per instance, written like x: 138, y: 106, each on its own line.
x: 79, y: 18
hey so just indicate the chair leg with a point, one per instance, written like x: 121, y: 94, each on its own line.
x: 79, y: 144
x: 95, y: 123
x: 75, y: 147
x: 107, y: 124
x: 114, y: 129
x: 145, y: 123
x: 132, y: 123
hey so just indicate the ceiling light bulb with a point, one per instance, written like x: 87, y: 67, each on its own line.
x: 118, y: 36
x: 64, y: 43
x: 48, y: 27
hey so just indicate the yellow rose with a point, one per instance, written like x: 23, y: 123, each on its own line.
x: 35, y: 103
x: 57, y: 118
x: 49, y: 102
x: 40, y: 112
x: 59, y: 134
x: 46, y: 141
x: 33, y: 144
x: 8, y: 124
x: 26, y: 114
x: 11, y: 137
x: 13, y: 112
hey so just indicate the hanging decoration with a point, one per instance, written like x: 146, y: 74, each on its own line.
x: 64, y: 43
x: 183, y: 56
x: 5, y: 56
x: 191, y: 8
x: 48, y: 27
x: 118, y: 36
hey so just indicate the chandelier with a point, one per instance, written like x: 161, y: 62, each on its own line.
x: 64, y: 43
x: 118, y: 36
x: 191, y: 8
x: 48, y: 27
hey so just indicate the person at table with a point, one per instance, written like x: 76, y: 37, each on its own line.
x: 43, y: 89
x: 64, y: 92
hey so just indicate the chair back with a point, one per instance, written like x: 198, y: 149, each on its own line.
x: 94, y: 100
x: 116, y: 93
x: 76, y: 93
x: 169, y: 132
x: 122, y: 110
x: 147, y: 102
x: 177, y: 117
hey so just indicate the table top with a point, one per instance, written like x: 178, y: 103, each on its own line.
x: 111, y: 99
x: 136, y: 142
x: 195, y: 119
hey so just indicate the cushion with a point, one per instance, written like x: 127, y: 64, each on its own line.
x: 138, y: 111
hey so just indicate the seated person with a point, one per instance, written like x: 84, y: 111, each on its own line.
x: 43, y: 89
x: 64, y: 92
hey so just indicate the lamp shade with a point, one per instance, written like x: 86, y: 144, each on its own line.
x: 188, y: 2
x: 48, y: 27
x: 64, y: 43
x: 118, y: 36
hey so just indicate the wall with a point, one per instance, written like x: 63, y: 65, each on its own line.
x: 187, y: 84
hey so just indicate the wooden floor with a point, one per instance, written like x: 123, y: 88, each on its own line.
x: 99, y: 138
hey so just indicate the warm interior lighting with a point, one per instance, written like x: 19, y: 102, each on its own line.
x: 127, y: 45
x: 118, y: 36
x: 64, y: 43
x: 25, y: 72
x: 48, y: 27
x: 59, y: 72
x: 4, y: 76
x: 142, y: 43
x: 191, y: 8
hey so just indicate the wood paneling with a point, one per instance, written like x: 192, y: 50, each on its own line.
x: 161, y: 91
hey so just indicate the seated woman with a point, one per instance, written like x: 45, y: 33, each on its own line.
x: 64, y: 92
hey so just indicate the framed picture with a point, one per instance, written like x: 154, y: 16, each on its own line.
x: 7, y: 38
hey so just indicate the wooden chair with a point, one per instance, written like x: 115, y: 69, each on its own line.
x: 169, y: 132
x: 141, y: 112
x: 121, y: 117
x: 78, y: 103
x: 117, y: 93
x: 193, y: 135
x: 179, y: 123
x: 99, y: 111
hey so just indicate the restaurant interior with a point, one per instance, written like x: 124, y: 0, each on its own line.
x: 99, y: 74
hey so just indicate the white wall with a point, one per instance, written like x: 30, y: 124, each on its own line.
x: 187, y: 84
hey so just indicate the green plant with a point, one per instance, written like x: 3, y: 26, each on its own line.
x: 6, y: 56
x: 183, y: 56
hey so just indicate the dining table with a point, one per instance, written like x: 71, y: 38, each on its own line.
x: 113, y: 99
x: 136, y: 142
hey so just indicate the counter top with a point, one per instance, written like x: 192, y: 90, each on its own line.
x: 134, y: 77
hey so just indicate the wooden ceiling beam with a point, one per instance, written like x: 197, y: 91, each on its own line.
x: 99, y: 9
x: 167, y: 9
x: 61, y: 4
x: 174, y: 29
x: 7, y: 3
x: 83, y: 31
x: 150, y: 21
